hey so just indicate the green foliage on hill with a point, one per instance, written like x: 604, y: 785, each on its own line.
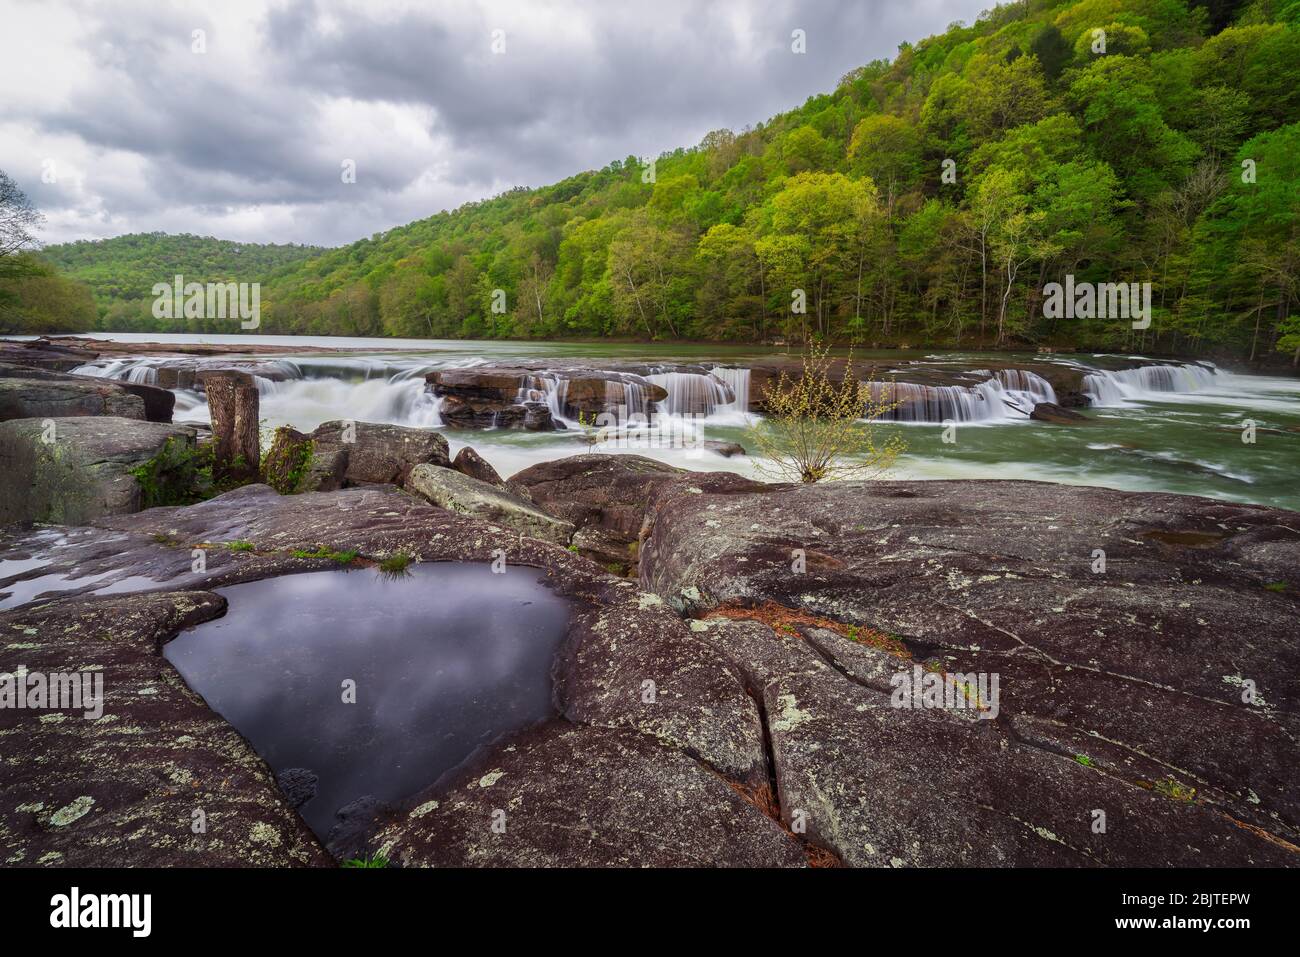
x: 36, y: 299
x: 1105, y: 139
x: 122, y: 271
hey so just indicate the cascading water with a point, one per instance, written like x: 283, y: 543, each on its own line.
x: 1030, y: 383
x: 1107, y: 387
x: 1006, y: 396
x: 941, y: 403
x: 692, y: 393
x: 737, y: 380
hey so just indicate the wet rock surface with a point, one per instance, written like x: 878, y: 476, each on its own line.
x: 36, y: 391
x: 700, y: 720
x: 33, y: 398
x: 733, y: 709
x: 1052, y: 412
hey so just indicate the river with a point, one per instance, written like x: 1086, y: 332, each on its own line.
x: 1169, y: 429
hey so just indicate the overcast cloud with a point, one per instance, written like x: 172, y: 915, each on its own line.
x: 246, y: 140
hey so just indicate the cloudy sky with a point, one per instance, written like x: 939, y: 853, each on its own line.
x: 115, y: 118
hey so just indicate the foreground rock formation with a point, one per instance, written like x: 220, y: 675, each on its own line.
x: 735, y: 705
x: 69, y: 470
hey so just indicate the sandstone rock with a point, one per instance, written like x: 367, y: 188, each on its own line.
x: 84, y: 471
x: 455, y: 492
x: 372, y: 452
x: 120, y: 790
x: 159, y: 404
x: 634, y: 664
x: 707, y: 739
x: 695, y: 745
x: 1051, y: 412
x: 61, y: 356
x: 22, y: 398
x: 468, y: 462
x: 556, y: 786
x: 609, y: 491
x: 605, y: 496
x: 514, y: 397
x: 1118, y: 690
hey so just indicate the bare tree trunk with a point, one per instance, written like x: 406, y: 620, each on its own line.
x: 233, y: 406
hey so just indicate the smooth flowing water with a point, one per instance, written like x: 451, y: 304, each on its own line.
x: 1170, y: 428
x: 440, y: 662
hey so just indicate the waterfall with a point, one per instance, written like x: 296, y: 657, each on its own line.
x: 139, y: 371
x: 630, y: 395
x: 554, y: 392
x: 737, y: 380
x: 1029, y: 383
x: 942, y: 403
x: 1106, y: 387
x: 692, y: 393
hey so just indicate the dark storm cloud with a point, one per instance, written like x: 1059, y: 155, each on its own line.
x: 248, y: 138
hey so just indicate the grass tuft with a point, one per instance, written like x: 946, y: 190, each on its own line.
x: 396, y: 565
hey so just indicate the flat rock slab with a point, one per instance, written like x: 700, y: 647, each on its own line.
x: 37, y: 391
x: 30, y: 398
x: 70, y: 470
x: 738, y: 707
x: 698, y: 718
x: 1121, y: 690
x: 158, y: 779
x: 564, y: 796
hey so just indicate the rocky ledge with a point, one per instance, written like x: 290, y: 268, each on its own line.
x: 739, y: 703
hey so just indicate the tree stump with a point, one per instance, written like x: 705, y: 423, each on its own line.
x: 233, y: 407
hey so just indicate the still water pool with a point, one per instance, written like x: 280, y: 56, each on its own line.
x: 441, y: 661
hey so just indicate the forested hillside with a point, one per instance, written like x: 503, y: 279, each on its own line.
x: 925, y: 201
x: 121, y: 271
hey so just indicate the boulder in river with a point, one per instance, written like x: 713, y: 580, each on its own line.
x: 1051, y: 412
x: 371, y: 453
x: 468, y: 462
x: 36, y: 392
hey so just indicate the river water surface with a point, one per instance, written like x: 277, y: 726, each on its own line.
x: 1176, y: 429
